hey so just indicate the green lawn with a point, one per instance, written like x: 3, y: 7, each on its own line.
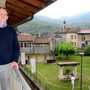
x: 48, y: 73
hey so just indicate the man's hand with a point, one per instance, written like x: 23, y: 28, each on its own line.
x: 14, y: 64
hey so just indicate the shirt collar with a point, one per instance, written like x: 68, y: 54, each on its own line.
x: 4, y: 25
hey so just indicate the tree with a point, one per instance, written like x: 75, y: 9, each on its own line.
x: 66, y: 49
x: 87, y: 50
x: 56, y: 51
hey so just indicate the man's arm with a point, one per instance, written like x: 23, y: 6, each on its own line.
x: 16, y: 51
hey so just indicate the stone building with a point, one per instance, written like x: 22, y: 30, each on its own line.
x: 39, y: 48
x: 79, y: 38
x: 83, y: 38
x: 26, y: 42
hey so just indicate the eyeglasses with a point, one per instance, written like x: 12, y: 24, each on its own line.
x: 3, y: 14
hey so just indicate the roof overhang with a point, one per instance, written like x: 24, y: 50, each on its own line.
x: 21, y: 11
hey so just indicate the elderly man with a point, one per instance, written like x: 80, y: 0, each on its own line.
x: 9, y: 49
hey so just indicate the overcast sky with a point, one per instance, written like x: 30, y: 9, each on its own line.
x: 65, y: 8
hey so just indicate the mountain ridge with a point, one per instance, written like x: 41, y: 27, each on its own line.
x: 46, y: 25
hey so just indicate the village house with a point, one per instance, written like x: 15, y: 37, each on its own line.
x: 39, y: 48
x: 79, y: 38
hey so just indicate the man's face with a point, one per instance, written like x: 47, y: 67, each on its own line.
x: 3, y: 16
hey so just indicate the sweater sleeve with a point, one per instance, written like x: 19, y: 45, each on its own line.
x: 16, y: 48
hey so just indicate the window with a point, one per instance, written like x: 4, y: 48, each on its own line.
x: 24, y: 44
x: 28, y: 44
x: 83, y: 38
x: 86, y: 42
x: 75, y: 36
x: 71, y: 36
x: 83, y: 45
x: 21, y: 44
x: 41, y: 45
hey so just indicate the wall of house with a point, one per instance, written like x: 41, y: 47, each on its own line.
x: 25, y: 50
x: 60, y: 37
x: 26, y: 47
x: 80, y: 42
x: 72, y: 37
x: 41, y: 48
x: 40, y: 58
x: 52, y: 44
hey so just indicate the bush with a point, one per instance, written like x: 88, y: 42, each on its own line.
x: 87, y: 50
x: 78, y: 51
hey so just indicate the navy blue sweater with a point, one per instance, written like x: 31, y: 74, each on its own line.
x: 9, y: 46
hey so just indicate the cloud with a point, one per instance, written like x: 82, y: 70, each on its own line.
x: 65, y: 8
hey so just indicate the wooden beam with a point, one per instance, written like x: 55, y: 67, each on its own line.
x: 47, y: 1
x: 17, y: 16
x: 35, y: 3
x: 17, y: 9
x: 19, y: 13
x: 12, y: 20
x: 24, y: 21
x: 22, y: 5
x: 12, y: 13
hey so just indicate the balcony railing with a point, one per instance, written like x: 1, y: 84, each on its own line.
x: 17, y: 81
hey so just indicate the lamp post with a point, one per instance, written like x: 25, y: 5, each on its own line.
x: 81, y: 70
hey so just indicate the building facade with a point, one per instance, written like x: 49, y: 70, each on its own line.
x: 35, y: 47
x: 79, y: 38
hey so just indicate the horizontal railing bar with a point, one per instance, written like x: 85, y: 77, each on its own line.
x: 22, y: 80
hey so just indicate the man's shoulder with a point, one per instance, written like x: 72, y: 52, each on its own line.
x: 8, y: 26
x: 11, y: 28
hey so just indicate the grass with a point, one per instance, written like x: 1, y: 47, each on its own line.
x: 48, y: 73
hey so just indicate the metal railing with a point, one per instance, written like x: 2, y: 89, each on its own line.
x: 36, y: 79
x: 17, y: 81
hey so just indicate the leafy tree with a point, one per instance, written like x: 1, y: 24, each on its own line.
x: 87, y: 50
x: 56, y: 51
x: 66, y: 49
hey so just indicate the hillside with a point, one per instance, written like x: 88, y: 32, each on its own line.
x: 45, y: 25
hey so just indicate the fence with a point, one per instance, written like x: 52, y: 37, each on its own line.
x: 39, y: 81
x: 17, y: 81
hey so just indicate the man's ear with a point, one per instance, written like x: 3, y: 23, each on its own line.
x: 7, y: 17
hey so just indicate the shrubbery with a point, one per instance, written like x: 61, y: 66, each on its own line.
x: 56, y: 51
x: 87, y: 50
x: 65, y: 49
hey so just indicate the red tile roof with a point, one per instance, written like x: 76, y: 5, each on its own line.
x: 68, y: 30
x: 25, y: 37
x: 42, y: 40
x: 84, y: 31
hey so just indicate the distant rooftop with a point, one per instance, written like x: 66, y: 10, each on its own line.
x: 42, y: 40
x: 84, y: 31
x: 25, y: 37
x: 73, y: 30
x: 68, y: 30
